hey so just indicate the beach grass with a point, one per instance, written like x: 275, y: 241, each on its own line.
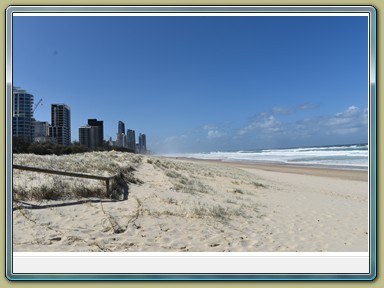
x: 28, y: 185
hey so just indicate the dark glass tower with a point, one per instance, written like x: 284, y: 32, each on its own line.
x: 142, y: 143
x: 100, y: 131
x: 131, y: 139
x: 121, y: 128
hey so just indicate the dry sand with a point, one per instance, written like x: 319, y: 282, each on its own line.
x: 202, y: 206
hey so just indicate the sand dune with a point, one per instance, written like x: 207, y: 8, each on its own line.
x: 183, y: 205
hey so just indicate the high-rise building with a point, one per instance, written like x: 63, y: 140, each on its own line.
x: 85, y: 136
x: 88, y: 136
x: 60, y: 123
x: 142, y: 143
x: 91, y: 135
x: 99, y: 132
x: 131, y: 139
x: 22, y: 114
x: 121, y: 138
x: 121, y: 127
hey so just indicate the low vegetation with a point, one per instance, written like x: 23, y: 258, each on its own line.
x: 28, y: 185
x: 19, y: 145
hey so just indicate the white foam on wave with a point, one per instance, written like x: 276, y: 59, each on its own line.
x: 352, y: 156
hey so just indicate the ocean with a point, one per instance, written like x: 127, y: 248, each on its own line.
x: 351, y: 157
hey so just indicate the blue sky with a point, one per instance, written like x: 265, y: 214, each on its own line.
x: 199, y: 84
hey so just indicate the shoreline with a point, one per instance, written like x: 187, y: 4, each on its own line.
x: 347, y: 174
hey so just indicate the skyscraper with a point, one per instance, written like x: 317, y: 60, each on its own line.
x: 22, y: 114
x: 142, y: 143
x: 85, y: 136
x: 121, y: 137
x: 60, y: 123
x: 121, y: 127
x: 99, y: 131
x: 131, y: 139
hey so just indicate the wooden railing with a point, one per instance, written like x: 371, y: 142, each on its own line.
x: 65, y: 173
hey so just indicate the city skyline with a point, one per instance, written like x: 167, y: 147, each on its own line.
x: 58, y: 131
x: 198, y: 84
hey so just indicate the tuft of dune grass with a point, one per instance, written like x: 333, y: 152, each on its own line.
x: 218, y: 212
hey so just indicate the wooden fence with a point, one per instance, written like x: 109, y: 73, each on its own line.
x: 64, y: 173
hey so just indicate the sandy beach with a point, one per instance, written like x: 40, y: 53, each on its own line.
x: 177, y: 205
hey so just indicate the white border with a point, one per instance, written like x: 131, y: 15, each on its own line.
x: 190, y: 262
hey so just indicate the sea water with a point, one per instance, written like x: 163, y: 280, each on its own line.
x: 353, y: 156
